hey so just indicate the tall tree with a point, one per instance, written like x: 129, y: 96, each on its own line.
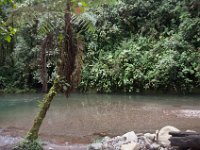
x: 66, y: 66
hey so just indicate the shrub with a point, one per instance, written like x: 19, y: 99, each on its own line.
x: 28, y: 145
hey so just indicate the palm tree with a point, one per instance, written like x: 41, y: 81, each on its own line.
x: 65, y: 69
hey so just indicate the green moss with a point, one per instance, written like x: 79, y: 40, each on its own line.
x: 29, y: 145
x: 33, y: 133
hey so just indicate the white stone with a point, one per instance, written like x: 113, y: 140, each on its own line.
x: 130, y: 137
x: 155, y: 146
x: 116, y: 142
x: 130, y: 146
x: 106, y: 139
x: 162, y: 148
x: 145, y: 142
x: 163, y: 135
x: 95, y: 146
x: 150, y: 136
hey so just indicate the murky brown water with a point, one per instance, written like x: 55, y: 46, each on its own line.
x: 80, y: 118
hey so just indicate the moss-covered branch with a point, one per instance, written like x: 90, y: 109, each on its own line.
x: 33, y: 133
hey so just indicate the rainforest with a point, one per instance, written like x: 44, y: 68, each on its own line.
x: 129, y: 46
x: 121, y: 65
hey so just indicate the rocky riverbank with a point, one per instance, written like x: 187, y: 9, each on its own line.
x: 8, y: 142
x: 132, y: 141
x: 129, y: 141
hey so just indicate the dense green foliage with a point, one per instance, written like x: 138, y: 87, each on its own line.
x: 6, y: 31
x: 136, y: 45
x: 21, y: 72
x: 144, y: 45
x: 6, y: 43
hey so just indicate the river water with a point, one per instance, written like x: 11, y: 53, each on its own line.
x: 82, y: 117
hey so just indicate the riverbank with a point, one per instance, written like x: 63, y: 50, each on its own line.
x: 83, y: 118
x: 159, y: 140
x: 9, y: 138
x: 8, y: 142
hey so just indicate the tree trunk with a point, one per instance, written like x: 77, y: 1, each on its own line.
x: 2, y: 55
x: 43, y: 65
x: 68, y: 54
x: 33, y: 133
x: 69, y: 51
x: 185, y: 140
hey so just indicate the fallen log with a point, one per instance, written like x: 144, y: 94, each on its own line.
x: 183, y: 134
x: 185, y: 140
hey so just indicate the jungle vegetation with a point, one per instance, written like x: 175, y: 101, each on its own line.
x: 129, y: 45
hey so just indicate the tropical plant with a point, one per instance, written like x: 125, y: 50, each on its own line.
x: 141, y: 45
x: 6, y: 30
x: 68, y: 66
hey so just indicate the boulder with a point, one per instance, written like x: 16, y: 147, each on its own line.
x: 163, y: 135
x: 155, y: 146
x: 150, y: 136
x: 95, y: 146
x: 144, y: 142
x: 116, y: 142
x: 106, y: 139
x: 130, y: 146
x: 130, y: 137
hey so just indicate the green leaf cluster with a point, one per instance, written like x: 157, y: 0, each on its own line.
x: 143, y: 45
x: 6, y: 31
x: 130, y: 45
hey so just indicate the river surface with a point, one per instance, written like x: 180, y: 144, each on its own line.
x: 82, y: 117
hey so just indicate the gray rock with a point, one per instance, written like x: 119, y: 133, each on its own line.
x: 8, y: 140
x: 150, y: 136
x: 130, y: 146
x: 163, y: 135
x: 130, y: 137
x: 95, y: 146
x: 117, y: 142
x: 106, y: 139
x: 146, y: 142
x: 155, y: 146
x: 139, y: 134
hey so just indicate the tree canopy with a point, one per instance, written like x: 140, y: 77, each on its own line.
x: 129, y: 45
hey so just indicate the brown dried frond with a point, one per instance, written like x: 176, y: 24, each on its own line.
x: 68, y: 52
x: 45, y: 46
x: 76, y: 75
